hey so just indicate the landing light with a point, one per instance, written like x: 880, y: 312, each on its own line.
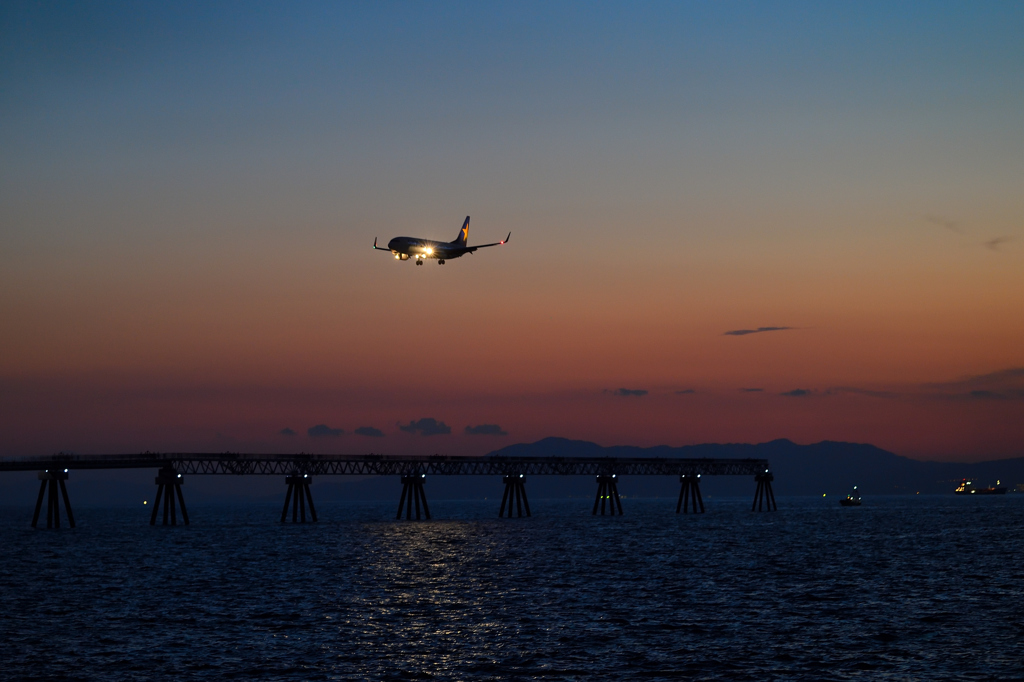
x: 430, y: 251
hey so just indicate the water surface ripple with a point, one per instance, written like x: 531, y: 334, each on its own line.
x: 901, y: 588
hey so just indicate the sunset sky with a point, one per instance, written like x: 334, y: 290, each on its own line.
x: 189, y: 193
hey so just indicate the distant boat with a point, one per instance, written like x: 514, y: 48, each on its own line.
x: 851, y: 500
x: 967, y: 488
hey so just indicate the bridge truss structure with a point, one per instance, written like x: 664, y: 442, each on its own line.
x: 299, y: 470
x: 393, y: 465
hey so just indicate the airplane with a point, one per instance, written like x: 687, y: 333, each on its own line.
x: 405, y: 248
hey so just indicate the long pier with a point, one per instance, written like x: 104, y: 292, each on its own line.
x: 299, y: 470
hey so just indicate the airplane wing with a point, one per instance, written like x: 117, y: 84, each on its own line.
x: 471, y: 249
x: 381, y: 248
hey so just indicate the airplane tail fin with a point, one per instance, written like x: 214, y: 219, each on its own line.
x: 463, y: 234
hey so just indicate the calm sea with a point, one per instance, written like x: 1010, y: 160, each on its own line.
x: 902, y: 588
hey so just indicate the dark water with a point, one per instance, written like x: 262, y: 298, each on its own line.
x: 902, y: 588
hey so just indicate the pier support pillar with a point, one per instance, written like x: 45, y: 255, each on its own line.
x: 764, y: 495
x: 168, y: 486
x: 607, y: 493
x: 515, y: 489
x: 689, y: 494
x: 412, y: 492
x: 298, y: 495
x: 50, y: 481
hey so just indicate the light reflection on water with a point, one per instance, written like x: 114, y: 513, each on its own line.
x: 925, y: 587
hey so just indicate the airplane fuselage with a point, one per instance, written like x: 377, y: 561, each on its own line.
x: 410, y: 247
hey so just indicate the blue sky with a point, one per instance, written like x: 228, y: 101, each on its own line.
x: 188, y: 192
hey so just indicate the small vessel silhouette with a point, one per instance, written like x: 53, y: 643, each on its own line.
x: 851, y: 500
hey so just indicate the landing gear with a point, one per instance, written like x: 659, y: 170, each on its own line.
x: 419, y: 262
x: 440, y: 261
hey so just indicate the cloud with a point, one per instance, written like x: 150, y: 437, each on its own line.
x: 685, y: 391
x: 759, y: 330
x: 287, y: 432
x: 995, y: 243
x: 1002, y: 376
x: 950, y: 225
x: 983, y: 395
x: 796, y: 393
x: 629, y: 392
x: 485, y: 430
x: 1003, y: 385
x: 958, y: 228
x: 1006, y: 384
x: 428, y: 426
x: 751, y: 390
x: 986, y: 395
x: 863, y: 391
x: 1012, y: 378
x: 369, y: 431
x: 321, y: 430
